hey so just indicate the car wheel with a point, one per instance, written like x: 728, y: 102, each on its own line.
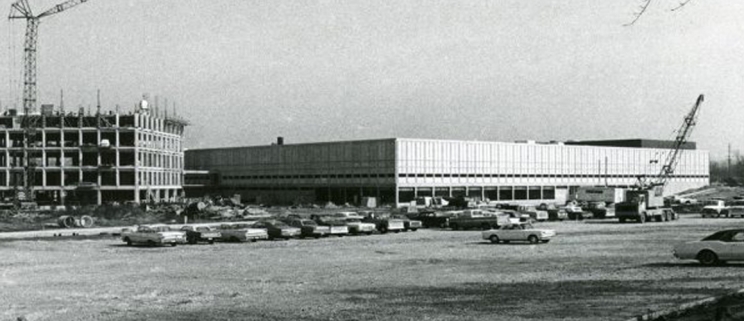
x: 369, y: 233
x: 454, y: 227
x: 211, y: 241
x: 192, y: 240
x: 533, y: 239
x: 622, y: 220
x: 546, y: 241
x: 397, y: 231
x: 129, y: 242
x: 707, y: 257
x: 383, y: 230
x: 494, y: 239
x: 414, y: 229
x: 150, y: 243
x: 174, y: 244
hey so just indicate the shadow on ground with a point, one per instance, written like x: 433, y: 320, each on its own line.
x: 561, y: 299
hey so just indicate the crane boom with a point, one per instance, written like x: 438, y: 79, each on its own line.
x: 61, y: 7
x: 683, y: 133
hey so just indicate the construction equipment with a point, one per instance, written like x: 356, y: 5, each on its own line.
x: 22, y: 10
x: 645, y: 201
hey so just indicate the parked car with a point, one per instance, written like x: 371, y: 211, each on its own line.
x: 309, y: 228
x: 684, y: 200
x: 354, y: 223
x: 408, y: 224
x: 155, y: 234
x: 356, y: 226
x: 242, y: 232
x: 200, y: 233
x: 575, y: 212
x: 523, y: 232
x: 435, y: 219
x: 278, y: 229
x: 534, y: 213
x: 554, y: 213
x: 383, y: 222
x: 714, y: 208
x: 337, y: 227
x: 479, y: 219
x: 736, y: 208
x: 717, y: 248
x: 515, y: 217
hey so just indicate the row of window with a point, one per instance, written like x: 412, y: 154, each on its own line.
x: 242, y: 177
x: 309, y: 176
x: 543, y: 175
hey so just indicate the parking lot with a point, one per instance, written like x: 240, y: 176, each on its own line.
x: 593, y: 270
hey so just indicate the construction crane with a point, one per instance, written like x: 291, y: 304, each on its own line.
x: 672, y: 158
x: 646, y: 201
x: 22, y: 10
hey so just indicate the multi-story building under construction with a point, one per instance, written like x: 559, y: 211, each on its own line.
x: 74, y: 158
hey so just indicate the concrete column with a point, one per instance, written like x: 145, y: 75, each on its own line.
x: 397, y: 196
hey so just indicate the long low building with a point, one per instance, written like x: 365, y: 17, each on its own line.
x: 398, y: 170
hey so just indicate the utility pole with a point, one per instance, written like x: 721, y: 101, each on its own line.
x: 728, y: 168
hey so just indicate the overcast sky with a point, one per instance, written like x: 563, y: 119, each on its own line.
x: 245, y: 72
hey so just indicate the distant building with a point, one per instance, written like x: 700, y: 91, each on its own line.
x: 74, y: 158
x: 398, y: 170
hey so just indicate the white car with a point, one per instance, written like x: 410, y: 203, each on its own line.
x: 524, y: 232
x: 714, y: 208
x: 719, y: 247
x: 156, y: 234
x: 736, y: 208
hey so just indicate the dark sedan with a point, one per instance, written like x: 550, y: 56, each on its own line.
x: 278, y: 229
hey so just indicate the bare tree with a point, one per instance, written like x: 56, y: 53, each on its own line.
x: 644, y: 5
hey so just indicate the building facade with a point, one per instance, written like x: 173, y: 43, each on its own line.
x: 78, y: 158
x: 400, y: 170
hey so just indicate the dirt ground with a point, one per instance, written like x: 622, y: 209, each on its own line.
x: 599, y: 270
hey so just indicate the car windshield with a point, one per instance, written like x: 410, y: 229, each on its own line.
x: 203, y: 229
x: 309, y: 223
x: 161, y: 228
x: 717, y: 236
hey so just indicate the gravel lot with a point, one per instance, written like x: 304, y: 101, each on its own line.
x: 592, y: 271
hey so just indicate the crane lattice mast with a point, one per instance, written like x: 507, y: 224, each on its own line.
x: 22, y: 10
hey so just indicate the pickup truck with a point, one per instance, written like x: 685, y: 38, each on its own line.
x: 478, y: 219
x: 156, y: 234
x: 714, y: 208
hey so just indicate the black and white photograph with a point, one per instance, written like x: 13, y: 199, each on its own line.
x: 372, y: 160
